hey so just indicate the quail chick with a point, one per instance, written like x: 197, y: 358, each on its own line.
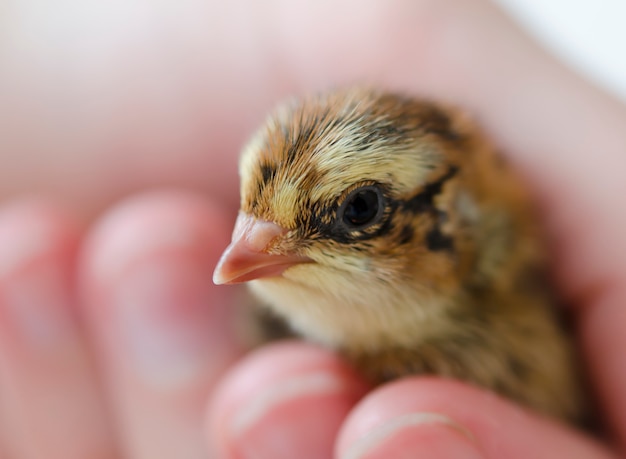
x: 388, y: 228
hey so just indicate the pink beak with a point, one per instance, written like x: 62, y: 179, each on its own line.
x: 246, y: 257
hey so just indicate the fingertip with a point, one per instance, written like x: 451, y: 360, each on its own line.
x: 292, y: 390
x: 163, y: 332
x: 156, y: 221
x: 145, y: 283
x: 420, y: 434
x: 479, y: 422
x: 389, y: 411
x: 43, y: 357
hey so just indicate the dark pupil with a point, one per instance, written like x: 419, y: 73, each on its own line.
x: 362, y: 208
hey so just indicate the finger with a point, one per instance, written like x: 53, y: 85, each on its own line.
x: 603, y: 331
x: 428, y: 417
x: 285, y: 400
x: 50, y: 403
x: 164, y: 331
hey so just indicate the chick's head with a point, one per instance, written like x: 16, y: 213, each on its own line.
x: 352, y: 206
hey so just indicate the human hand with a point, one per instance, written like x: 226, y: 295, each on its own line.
x: 437, y: 50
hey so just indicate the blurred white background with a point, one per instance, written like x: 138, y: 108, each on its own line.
x: 589, y: 34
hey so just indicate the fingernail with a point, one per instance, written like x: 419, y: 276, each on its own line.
x: 296, y: 418
x: 421, y: 434
x: 167, y: 320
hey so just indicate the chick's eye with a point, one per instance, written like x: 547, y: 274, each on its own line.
x: 361, y: 208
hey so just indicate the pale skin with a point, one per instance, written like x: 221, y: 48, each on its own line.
x: 156, y: 372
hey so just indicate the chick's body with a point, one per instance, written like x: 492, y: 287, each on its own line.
x: 418, y: 247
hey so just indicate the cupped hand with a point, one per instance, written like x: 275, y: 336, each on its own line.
x: 112, y: 338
